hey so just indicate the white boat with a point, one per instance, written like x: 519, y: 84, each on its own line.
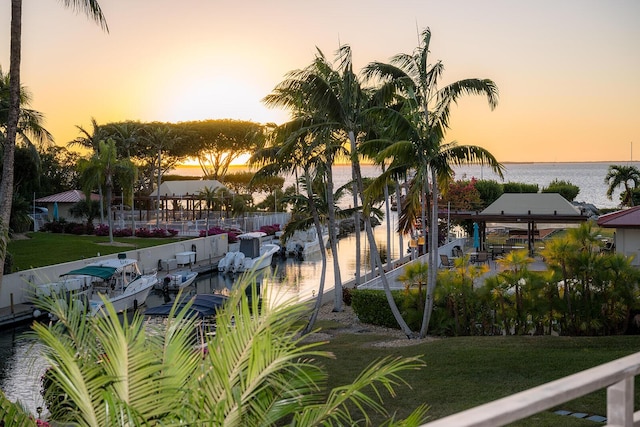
x: 252, y: 254
x: 118, y: 279
x: 176, y: 281
x: 304, y: 243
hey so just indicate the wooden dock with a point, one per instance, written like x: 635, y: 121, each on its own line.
x: 19, y: 313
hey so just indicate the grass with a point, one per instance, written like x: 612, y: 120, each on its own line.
x: 461, y: 372
x: 468, y: 371
x: 41, y: 249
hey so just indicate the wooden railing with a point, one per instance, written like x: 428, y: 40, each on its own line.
x: 617, y: 376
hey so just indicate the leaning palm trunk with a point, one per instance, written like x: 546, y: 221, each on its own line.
x: 6, y: 186
x: 433, y: 256
x: 374, y: 249
x: 323, y: 253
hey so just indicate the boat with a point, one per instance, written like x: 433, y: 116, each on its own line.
x: 176, y: 280
x: 118, y: 279
x: 304, y: 243
x: 251, y: 255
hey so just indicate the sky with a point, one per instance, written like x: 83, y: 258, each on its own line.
x: 568, y: 71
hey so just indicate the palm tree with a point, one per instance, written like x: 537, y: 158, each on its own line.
x: 295, y: 147
x: 91, y: 141
x: 102, y: 169
x: 255, y: 370
x: 298, y: 93
x: 618, y: 175
x: 422, y: 116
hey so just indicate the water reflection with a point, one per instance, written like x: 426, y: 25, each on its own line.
x: 21, y: 363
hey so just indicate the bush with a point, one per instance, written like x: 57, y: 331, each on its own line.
x: 270, y: 229
x: 54, y: 226
x: 214, y: 231
x: 564, y: 188
x: 102, y: 230
x: 520, y: 187
x: 371, y: 307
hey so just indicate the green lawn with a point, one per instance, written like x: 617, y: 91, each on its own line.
x: 464, y: 372
x: 460, y: 373
x: 41, y: 249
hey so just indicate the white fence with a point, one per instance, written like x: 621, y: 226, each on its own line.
x: 617, y: 376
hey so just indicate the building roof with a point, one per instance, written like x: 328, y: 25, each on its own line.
x: 626, y: 218
x: 541, y: 207
x: 186, y: 188
x: 71, y: 196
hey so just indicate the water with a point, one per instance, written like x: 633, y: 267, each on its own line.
x: 21, y: 364
x: 589, y: 177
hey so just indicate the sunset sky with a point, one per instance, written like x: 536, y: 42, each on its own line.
x: 568, y: 71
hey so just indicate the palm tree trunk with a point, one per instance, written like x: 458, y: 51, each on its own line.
x: 6, y: 185
x: 158, y: 187
x: 400, y: 235
x: 356, y: 225
x: 323, y: 253
x: 374, y: 249
x: 433, y: 256
x: 333, y: 240
x: 388, y: 214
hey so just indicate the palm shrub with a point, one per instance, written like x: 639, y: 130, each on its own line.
x: 255, y: 369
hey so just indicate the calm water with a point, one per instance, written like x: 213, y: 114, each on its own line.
x: 21, y: 368
x: 588, y: 176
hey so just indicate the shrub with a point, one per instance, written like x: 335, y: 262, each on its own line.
x: 270, y: 229
x: 123, y: 232
x: 54, y: 226
x: 213, y: 231
x: 564, y: 188
x: 371, y: 307
x: 520, y: 187
x: 102, y: 230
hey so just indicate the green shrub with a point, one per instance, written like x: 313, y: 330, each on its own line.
x: 371, y: 307
x: 520, y: 187
x: 564, y: 188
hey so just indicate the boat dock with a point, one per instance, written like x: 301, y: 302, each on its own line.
x: 16, y: 314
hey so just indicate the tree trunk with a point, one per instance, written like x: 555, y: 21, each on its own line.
x: 158, y: 187
x: 374, y: 249
x: 333, y: 240
x: 387, y: 206
x: 433, y: 256
x: 6, y: 185
x: 356, y: 225
x: 323, y: 252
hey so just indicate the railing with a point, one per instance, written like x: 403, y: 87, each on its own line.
x: 617, y: 376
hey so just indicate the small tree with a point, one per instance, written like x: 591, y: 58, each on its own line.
x: 564, y: 188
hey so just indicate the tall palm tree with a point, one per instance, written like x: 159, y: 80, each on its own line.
x: 255, y: 369
x: 92, y: 9
x: 102, y: 169
x: 294, y: 147
x: 422, y: 115
x: 90, y: 139
x: 309, y: 122
x: 126, y: 135
x: 618, y: 175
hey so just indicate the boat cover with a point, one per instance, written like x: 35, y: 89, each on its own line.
x: 93, y: 271
x: 204, y: 305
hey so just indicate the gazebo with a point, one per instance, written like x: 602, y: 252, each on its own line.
x: 529, y: 209
x: 187, y: 191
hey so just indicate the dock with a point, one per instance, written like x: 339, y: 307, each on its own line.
x: 17, y: 314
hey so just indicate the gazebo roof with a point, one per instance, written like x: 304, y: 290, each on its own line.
x: 186, y: 188
x: 626, y: 218
x: 536, y: 204
x: 71, y: 196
